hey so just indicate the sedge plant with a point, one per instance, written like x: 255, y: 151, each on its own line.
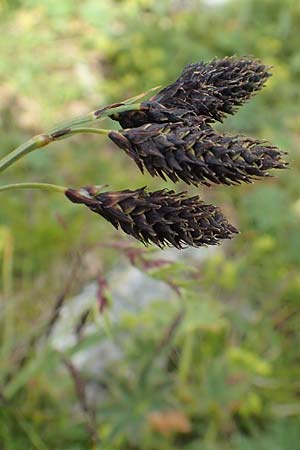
x: 171, y: 136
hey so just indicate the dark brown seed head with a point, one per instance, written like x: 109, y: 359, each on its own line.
x: 217, y: 88
x: 212, y: 89
x: 197, y: 154
x: 163, y: 217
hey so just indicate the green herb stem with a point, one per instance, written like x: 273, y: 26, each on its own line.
x: 24, y: 149
x: 41, y: 186
x: 89, y: 130
x: 63, y: 132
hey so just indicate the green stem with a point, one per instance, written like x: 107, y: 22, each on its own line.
x: 24, y: 149
x: 89, y: 130
x: 8, y: 306
x: 63, y: 132
x: 98, y: 114
x: 42, y: 186
x: 40, y: 141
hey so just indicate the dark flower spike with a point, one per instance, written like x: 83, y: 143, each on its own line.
x: 197, y: 155
x: 164, y: 218
x: 212, y: 89
x: 217, y: 88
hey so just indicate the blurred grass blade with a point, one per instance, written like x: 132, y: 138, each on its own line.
x: 6, y: 252
x: 44, y: 361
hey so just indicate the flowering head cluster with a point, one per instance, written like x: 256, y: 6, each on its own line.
x: 171, y: 136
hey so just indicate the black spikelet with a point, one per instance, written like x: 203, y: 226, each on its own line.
x: 164, y: 218
x: 212, y: 90
x: 197, y: 154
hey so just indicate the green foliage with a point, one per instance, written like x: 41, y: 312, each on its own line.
x: 217, y: 368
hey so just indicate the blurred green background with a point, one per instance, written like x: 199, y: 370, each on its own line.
x: 217, y: 368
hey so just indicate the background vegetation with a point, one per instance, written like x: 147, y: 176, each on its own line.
x: 214, y: 368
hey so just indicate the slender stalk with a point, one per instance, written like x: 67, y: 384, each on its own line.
x: 43, y: 140
x: 64, y: 131
x: 8, y: 322
x: 24, y: 149
x: 41, y: 186
x: 98, y: 114
x: 71, y: 127
x: 89, y: 130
